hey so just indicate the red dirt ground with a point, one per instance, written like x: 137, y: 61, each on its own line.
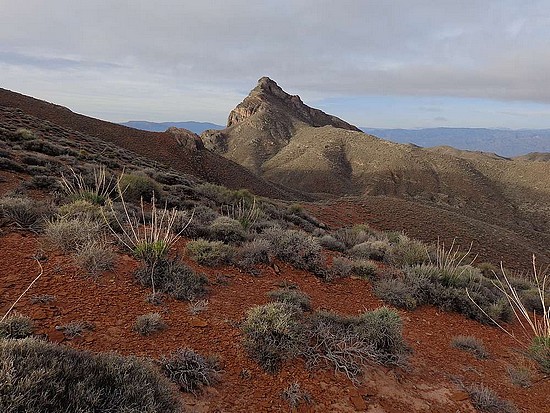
x: 114, y: 300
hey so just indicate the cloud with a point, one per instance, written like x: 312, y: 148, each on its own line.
x: 319, y: 49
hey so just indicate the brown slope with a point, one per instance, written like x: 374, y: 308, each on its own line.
x: 182, y: 151
x: 263, y: 123
x: 534, y: 156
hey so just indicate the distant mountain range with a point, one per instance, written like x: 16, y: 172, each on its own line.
x: 196, y: 127
x: 504, y: 142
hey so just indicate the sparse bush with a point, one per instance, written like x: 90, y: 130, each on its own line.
x: 45, y: 182
x: 95, y: 257
x: 136, y: 187
x: 47, y: 148
x: 76, y: 328
x: 291, y: 296
x: 257, y: 251
x: 350, y: 237
x: 331, y: 243
x: 210, y: 253
x: 189, y: 370
x: 197, y: 307
x: 10, y: 165
x: 397, y: 292
x: 227, y: 230
x: 471, y: 345
x: 15, y: 326
x: 38, y: 376
x: 149, y: 323
x: 273, y: 334
x: 203, y: 216
x: 487, y: 401
x: 71, y: 234
x: 173, y: 277
x: 294, y: 395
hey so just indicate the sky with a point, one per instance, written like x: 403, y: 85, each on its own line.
x: 374, y: 63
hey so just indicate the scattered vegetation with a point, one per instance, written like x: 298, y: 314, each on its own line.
x: 95, y: 188
x: 520, y: 376
x: 487, y: 401
x: 210, y: 253
x: 189, y: 370
x: 291, y: 296
x: 76, y: 328
x: 72, y: 234
x: 41, y: 376
x: 197, y: 307
x: 95, y: 257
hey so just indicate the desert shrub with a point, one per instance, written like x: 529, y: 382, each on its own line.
x: 540, y: 352
x: 24, y: 212
x: 487, y: 401
x: 42, y: 299
x: 341, y: 268
x: 350, y: 237
x: 16, y: 326
x: 47, y: 148
x: 71, y: 234
x: 244, y: 212
x: 38, y: 376
x: 291, y: 296
x: 375, y: 250
x: 10, y: 165
x: 210, y: 253
x: 95, y: 257
x: 487, y: 269
x: 96, y: 185
x: 81, y: 208
x: 407, y: 252
x: 227, y: 229
x: 149, y: 323
x: 135, y: 187
x: 364, y: 268
x: 297, y: 248
x: 76, y: 328
x: 25, y: 134
x: 273, y: 334
x: 257, y: 251
x: 189, y: 370
x: 397, y: 292
x: 197, y: 307
x: 203, y: 216
x: 532, y: 301
x: 295, y: 396
x: 173, y: 277
x: 471, y: 345
x: 331, y: 243
x: 34, y: 159
x: 349, y: 343
x: 520, y: 376
x: 45, y: 182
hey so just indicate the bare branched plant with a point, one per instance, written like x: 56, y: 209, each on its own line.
x: 243, y: 212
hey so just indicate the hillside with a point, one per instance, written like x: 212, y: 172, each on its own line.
x: 534, y: 156
x: 504, y: 142
x: 182, y: 151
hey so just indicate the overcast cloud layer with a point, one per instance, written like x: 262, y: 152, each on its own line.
x: 375, y: 63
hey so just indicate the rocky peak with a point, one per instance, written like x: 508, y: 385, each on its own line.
x: 186, y: 139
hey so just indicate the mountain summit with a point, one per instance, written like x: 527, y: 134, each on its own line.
x: 263, y: 123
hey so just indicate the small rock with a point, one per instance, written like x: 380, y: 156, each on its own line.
x: 358, y: 402
x: 56, y: 336
x: 197, y: 322
x: 459, y: 396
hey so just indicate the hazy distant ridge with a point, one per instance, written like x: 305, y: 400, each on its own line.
x: 196, y: 127
x: 505, y: 142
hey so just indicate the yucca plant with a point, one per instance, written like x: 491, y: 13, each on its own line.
x: 97, y: 192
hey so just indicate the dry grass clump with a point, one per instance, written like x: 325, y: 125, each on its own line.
x: 189, y: 370
x: 75, y: 328
x: 342, y: 267
x: 471, y: 345
x: 407, y: 252
x: 487, y: 401
x: 149, y: 323
x: 15, y: 326
x: 38, y: 376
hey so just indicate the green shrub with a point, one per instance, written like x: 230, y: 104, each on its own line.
x: 364, y: 268
x: 210, y: 253
x: 173, y: 277
x: 25, y: 134
x: 135, y: 187
x: 407, y: 252
x: 540, y: 352
x: 203, y: 216
x: 273, y: 334
x: 471, y: 345
x: 291, y: 296
x: 16, y: 326
x: 149, y: 323
x: 189, y: 370
x: 38, y: 376
x: 227, y: 230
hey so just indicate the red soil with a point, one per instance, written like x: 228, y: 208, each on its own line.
x: 114, y: 300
